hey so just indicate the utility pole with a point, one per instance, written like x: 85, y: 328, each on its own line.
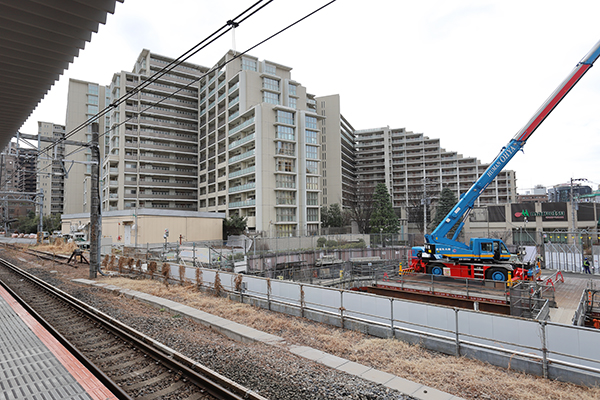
x: 95, y: 212
x: 424, y: 207
x: 573, y: 219
x: 41, y: 221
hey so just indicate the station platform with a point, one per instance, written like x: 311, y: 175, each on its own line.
x: 34, y: 365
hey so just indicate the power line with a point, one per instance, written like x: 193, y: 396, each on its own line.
x: 169, y: 67
x: 228, y: 26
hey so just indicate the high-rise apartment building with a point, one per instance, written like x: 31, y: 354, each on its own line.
x: 259, y: 146
x: 84, y: 101
x: 411, y: 164
x: 17, y: 175
x: 245, y: 138
x: 150, y: 141
x: 338, y: 153
x: 50, y: 173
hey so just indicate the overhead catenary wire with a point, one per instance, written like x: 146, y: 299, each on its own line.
x: 169, y: 67
x: 229, y: 25
x: 235, y: 57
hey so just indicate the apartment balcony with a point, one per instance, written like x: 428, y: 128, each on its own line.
x: 241, y: 141
x: 169, y: 160
x: 189, y: 137
x: 168, y: 124
x: 168, y: 172
x: 241, y: 204
x: 167, y: 197
x: 173, y: 102
x: 154, y: 184
x: 188, y: 94
x: 242, y: 172
x: 170, y: 147
x: 243, y: 188
x: 241, y: 156
x: 241, y: 126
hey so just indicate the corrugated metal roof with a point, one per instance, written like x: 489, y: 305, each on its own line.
x: 38, y: 41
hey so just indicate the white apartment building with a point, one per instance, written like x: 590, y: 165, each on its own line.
x: 411, y: 164
x: 50, y: 173
x: 259, y: 146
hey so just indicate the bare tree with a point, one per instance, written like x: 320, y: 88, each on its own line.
x: 416, y: 198
x: 361, y: 207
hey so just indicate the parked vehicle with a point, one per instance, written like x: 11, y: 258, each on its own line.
x: 487, y: 258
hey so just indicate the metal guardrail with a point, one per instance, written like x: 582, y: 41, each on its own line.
x: 344, y: 306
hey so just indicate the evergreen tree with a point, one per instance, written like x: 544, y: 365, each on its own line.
x: 444, y: 205
x: 383, y: 215
x: 335, y: 216
x: 332, y: 217
x: 234, y: 225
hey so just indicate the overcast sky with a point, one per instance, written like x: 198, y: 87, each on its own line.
x: 471, y: 73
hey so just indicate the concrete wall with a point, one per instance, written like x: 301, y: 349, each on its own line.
x: 150, y: 226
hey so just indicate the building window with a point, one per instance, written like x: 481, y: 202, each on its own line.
x: 312, y: 199
x: 311, y: 123
x: 284, y: 165
x: 285, y: 117
x: 91, y: 109
x: 285, y: 230
x: 292, y: 102
x: 312, y: 167
x: 285, y: 148
x: 286, y: 215
x: 271, y: 98
x: 92, y: 88
x: 92, y: 99
x: 292, y: 89
x: 285, y: 181
x: 271, y: 84
x: 288, y: 198
x: 248, y: 64
x: 312, y: 137
x: 312, y: 151
x: 312, y: 214
x: 270, y: 69
x: 285, y: 132
x: 312, y: 183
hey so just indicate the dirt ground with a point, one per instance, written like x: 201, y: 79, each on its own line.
x: 462, y: 376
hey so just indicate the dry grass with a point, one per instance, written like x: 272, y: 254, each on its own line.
x: 463, y: 377
x: 59, y: 247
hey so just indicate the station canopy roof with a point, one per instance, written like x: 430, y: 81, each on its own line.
x: 38, y: 41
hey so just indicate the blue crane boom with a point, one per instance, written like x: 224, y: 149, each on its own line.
x: 449, y: 247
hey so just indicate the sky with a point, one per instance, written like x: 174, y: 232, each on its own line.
x: 471, y: 73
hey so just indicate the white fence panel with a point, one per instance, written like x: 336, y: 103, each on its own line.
x: 424, y: 317
x: 368, y: 307
x: 256, y: 286
x: 228, y: 281
x: 507, y: 333
x: 574, y: 341
x: 208, y: 277
x: 324, y: 299
x: 285, y: 291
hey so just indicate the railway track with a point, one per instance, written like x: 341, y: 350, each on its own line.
x: 129, y: 363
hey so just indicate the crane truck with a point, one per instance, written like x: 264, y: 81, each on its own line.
x: 486, y: 258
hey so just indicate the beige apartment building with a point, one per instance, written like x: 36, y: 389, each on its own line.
x: 259, y: 146
x: 245, y: 138
x: 84, y: 100
x: 150, y: 148
x: 338, y: 153
x: 50, y: 175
